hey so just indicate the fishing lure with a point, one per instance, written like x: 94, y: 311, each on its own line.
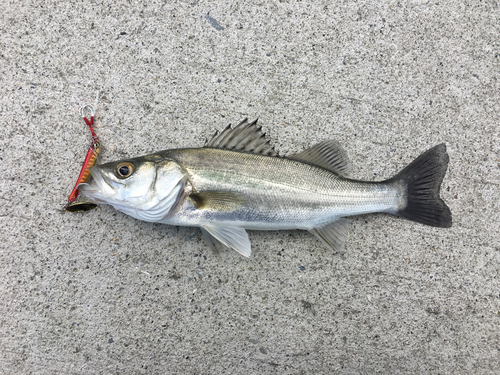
x: 90, y: 161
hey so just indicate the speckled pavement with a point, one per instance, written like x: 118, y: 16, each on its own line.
x: 102, y: 293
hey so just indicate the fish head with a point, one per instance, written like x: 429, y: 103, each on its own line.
x: 145, y: 188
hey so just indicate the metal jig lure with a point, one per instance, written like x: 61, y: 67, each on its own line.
x: 90, y: 160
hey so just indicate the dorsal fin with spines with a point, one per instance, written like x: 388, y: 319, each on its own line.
x: 246, y: 137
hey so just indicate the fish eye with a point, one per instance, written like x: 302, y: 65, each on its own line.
x: 125, y: 169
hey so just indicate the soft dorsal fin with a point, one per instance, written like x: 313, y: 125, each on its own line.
x: 246, y: 136
x: 327, y: 154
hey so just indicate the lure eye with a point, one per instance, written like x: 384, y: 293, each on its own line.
x: 125, y: 169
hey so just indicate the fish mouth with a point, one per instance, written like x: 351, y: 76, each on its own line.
x: 98, y: 188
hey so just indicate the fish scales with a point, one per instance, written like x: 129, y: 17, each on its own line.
x: 281, y: 193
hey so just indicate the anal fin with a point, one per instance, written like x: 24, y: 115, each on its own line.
x: 333, y: 234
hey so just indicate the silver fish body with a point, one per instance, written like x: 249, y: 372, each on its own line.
x: 273, y: 193
x: 237, y: 182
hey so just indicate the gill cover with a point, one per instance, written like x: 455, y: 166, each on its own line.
x: 144, y: 189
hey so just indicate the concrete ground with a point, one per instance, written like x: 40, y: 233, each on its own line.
x: 101, y: 292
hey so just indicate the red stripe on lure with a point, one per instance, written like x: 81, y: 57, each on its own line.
x: 90, y: 161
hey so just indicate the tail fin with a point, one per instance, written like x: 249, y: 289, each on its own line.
x: 422, y: 179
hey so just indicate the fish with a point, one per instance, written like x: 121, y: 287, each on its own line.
x: 238, y: 182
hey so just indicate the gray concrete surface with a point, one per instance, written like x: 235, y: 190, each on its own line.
x: 101, y: 292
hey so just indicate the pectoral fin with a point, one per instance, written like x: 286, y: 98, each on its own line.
x: 234, y: 237
x: 217, y: 200
x: 333, y: 235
